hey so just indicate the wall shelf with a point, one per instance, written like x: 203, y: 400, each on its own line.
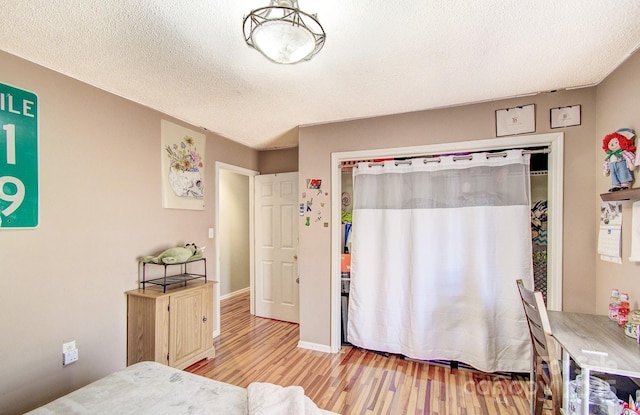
x: 629, y: 194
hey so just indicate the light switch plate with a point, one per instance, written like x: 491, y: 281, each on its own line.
x: 69, y: 357
x: 69, y: 346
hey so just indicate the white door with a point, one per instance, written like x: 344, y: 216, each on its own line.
x: 276, y: 290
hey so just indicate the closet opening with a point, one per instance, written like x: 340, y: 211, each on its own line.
x: 538, y: 191
x: 539, y: 206
x: 546, y: 204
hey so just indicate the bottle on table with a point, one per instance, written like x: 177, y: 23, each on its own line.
x: 623, y: 310
x: 614, y: 304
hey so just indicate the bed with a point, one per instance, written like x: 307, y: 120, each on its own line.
x: 153, y: 388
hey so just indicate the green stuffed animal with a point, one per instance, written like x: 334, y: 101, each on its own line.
x: 177, y: 255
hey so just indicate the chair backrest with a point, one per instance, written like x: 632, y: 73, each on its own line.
x: 538, y: 320
x: 544, y: 350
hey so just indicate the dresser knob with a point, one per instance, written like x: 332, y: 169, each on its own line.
x: 204, y: 319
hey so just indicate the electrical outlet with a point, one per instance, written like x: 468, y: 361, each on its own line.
x: 69, y: 357
x: 210, y: 233
x: 69, y: 346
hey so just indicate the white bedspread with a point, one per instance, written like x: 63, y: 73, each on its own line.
x: 154, y: 389
x: 270, y: 399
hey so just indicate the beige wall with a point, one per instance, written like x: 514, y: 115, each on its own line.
x: 100, y: 209
x: 278, y: 161
x: 465, y: 123
x: 617, y: 100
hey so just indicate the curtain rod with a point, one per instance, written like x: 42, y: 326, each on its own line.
x: 456, y: 158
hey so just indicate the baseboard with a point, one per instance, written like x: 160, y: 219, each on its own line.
x: 235, y: 293
x: 314, y: 346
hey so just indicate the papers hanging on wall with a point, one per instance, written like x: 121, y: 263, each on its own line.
x: 635, y: 232
x: 609, y: 237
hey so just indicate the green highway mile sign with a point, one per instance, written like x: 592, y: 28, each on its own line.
x: 18, y: 158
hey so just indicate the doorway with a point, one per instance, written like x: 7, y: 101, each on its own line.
x: 553, y: 141
x: 233, y: 234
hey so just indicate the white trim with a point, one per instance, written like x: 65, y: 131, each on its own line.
x: 555, y: 141
x: 235, y: 293
x: 555, y: 223
x: 314, y: 346
x: 251, y: 174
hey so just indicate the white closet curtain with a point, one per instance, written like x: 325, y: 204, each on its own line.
x: 436, y: 251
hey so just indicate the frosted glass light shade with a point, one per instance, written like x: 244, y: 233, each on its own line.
x: 283, y: 42
x: 283, y: 33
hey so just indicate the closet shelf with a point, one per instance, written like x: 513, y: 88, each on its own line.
x: 629, y: 194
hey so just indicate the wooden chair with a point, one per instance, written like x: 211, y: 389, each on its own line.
x: 546, y: 373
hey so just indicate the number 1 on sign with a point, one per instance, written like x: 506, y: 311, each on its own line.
x: 11, y: 143
x: 17, y: 196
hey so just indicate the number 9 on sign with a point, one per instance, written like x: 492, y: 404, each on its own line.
x: 12, y: 191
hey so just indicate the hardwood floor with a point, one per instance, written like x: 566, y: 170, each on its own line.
x: 354, y: 381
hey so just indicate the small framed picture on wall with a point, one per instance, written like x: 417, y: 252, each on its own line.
x: 565, y: 116
x: 516, y: 120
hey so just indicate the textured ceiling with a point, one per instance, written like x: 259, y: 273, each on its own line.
x: 188, y: 58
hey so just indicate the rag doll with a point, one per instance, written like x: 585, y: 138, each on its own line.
x: 620, y: 160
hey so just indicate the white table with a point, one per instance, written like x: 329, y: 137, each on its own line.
x: 596, y: 344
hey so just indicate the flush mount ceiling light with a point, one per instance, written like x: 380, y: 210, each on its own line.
x: 283, y: 33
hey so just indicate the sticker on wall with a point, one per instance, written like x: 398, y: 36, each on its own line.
x: 314, y: 183
x: 313, y: 207
x: 19, y: 176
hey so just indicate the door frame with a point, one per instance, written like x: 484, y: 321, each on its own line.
x: 250, y: 174
x: 555, y: 142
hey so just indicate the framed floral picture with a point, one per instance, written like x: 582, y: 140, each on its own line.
x: 182, y: 167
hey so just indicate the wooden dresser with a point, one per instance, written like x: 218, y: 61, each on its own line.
x: 174, y: 327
